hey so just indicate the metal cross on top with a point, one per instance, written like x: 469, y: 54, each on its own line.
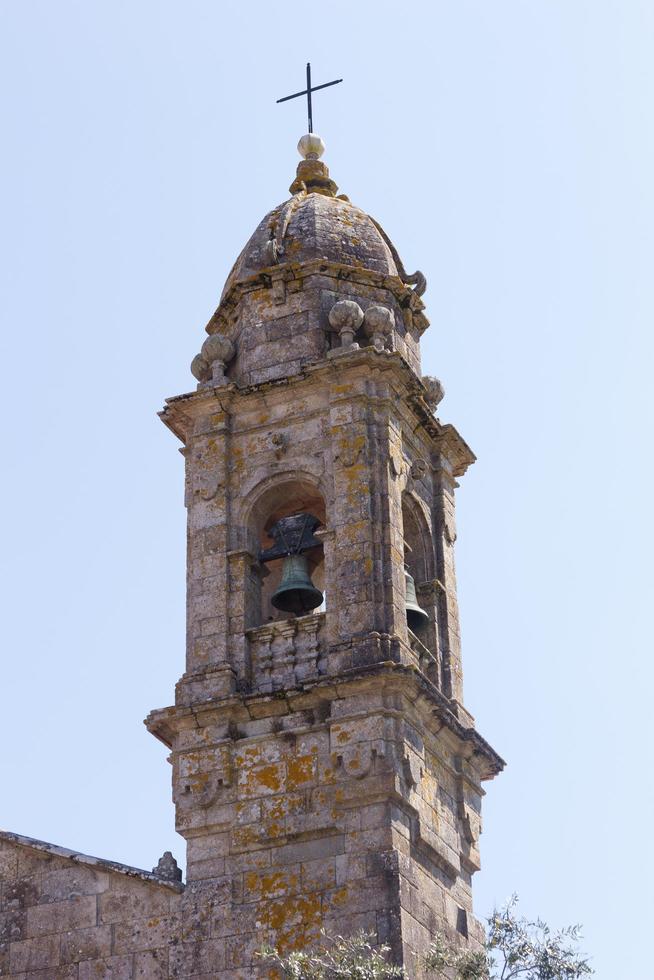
x: 307, y: 91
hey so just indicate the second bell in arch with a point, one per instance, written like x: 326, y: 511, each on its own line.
x: 415, y: 614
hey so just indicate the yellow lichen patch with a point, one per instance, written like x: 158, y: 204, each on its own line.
x: 328, y: 774
x: 263, y: 779
x: 339, y: 897
x: 271, y: 885
x: 301, y: 770
x: 296, y: 921
x: 244, y: 836
x: 282, y: 806
x: 342, y: 736
x: 273, y: 829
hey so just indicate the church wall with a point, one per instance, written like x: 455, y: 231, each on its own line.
x: 64, y: 920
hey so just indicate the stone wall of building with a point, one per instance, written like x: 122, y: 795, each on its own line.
x: 66, y: 916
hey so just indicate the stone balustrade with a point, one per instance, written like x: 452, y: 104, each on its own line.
x: 286, y: 651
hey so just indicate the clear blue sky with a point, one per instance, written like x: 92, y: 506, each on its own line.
x: 507, y: 149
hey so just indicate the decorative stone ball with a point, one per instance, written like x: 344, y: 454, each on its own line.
x: 379, y: 320
x: 435, y: 391
x: 200, y: 369
x: 217, y: 347
x: 346, y: 315
x: 311, y: 147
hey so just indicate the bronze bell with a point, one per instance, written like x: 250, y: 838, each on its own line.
x: 415, y: 614
x: 296, y: 592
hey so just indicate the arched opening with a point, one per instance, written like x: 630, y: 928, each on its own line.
x: 419, y: 567
x: 417, y: 542
x: 284, y: 499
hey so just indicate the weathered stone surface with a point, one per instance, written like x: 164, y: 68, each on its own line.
x: 61, y: 914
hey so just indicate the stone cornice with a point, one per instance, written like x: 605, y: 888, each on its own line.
x: 166, y: 722
x: 407, y: 298
x: 181, y: 410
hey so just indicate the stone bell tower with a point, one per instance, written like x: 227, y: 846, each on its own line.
x: 326, y: 773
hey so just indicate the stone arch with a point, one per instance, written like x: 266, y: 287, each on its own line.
x: 275, y: 497
x: 418, y: 540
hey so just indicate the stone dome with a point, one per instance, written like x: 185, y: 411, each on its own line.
x: 315, y: 226
x: 307, y: 255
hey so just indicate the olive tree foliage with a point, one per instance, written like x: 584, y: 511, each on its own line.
x: 516, y: 949
x: 336, y: 958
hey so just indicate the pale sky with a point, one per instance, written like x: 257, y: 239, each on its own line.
x: 507, y: 149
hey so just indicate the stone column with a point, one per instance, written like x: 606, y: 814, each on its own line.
x: 243, y: 596
x: 208, y: 516
x: 448, y: 607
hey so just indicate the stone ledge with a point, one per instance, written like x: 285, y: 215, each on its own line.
x: 180, y: 411
x: 166, y: 722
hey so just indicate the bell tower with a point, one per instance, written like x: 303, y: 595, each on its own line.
x: 326, y: 774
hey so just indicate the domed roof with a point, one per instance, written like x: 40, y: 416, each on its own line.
x: 315, y: 227
x: 315, y: 224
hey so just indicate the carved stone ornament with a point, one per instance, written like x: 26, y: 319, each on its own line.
x: 200, y: 369
x: 348, y: 455
x: 379, y: 323
x: 435, y: 392
x: 208, y: 484
x: 449, y: 529
x: 209, y: 364
x: 346, y: 317
x: 470, y: 823
x: 418, y: 469
x: 277, y: 443
x: 167, y: 868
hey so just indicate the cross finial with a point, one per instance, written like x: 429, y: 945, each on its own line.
x: 307, y: 91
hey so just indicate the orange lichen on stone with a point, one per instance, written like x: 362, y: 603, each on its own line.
x: 274, y: 829
x: 329, y: 774
x: 245, y: 836
x: 270, y: 778
x: 301, y: 770
x: 296, y: 921
x: 339, y: 897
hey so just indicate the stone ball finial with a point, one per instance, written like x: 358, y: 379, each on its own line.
x: 217, y: 351
x: 346, y: 317
x: 435, y: 391
x: 379, y: 323
x: 311, y: 147
x: 200, y: 369
x: 209, y: 364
